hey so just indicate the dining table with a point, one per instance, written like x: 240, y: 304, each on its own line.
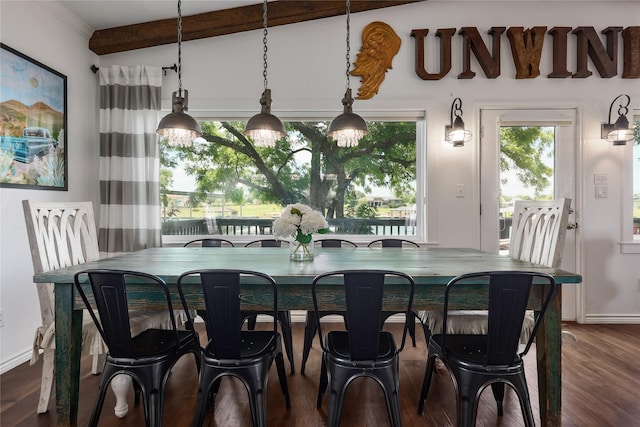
x: 432, y: 268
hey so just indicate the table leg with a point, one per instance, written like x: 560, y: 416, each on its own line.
x: 549, y: 357
x: 68, y: 347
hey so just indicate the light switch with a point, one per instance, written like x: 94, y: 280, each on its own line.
x: 600, y: 179
x: 460, y: 190
x: 602, y: 191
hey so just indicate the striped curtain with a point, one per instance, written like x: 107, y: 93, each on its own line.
x: 129, y: 159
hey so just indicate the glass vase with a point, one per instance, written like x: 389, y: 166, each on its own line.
x: 300, y: 251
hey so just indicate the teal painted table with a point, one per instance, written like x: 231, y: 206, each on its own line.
x: 431, y: 269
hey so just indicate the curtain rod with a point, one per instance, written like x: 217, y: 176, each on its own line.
x: 174, y: 67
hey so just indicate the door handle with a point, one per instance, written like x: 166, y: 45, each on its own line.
x: 572, y: 226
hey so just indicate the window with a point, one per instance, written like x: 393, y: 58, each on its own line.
x: 224, y: 185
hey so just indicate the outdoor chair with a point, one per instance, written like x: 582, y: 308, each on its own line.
x: 147, y: 357
x: 477, y: 361
x: 210, y: 242
x: 246, y: 355
x: 363, y: 349
x: 62, y: 234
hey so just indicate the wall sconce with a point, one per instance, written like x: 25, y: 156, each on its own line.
x: 455, y: 133
x: 619, y: 132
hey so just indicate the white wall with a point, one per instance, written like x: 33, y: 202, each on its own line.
x: 64, y: 49
x: 306, y: 73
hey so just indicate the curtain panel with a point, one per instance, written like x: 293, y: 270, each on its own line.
x: 129, y: 159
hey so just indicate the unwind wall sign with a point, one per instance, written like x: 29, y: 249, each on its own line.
x: 526, y: 51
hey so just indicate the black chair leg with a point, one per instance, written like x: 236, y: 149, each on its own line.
x: 498, y: 393
x: 282, y: 377
x: 324, y: 381
x: 310, y: 328
x: 284, y: 317
x: 426, y: 383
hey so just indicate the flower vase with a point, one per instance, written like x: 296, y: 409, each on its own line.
x: 301, y: 251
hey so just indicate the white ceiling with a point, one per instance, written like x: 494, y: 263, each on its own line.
x: 101, y: 14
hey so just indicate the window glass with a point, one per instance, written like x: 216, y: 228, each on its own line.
x: 224, y: 185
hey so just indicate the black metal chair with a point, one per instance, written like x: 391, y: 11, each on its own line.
x: 267, y: 243
x: 392, y: 243
x: 147, y: 357
x: 397, y: 243
x: 335, y: 243
x: 476, y: 361
x: 210, y: 242
x: 310, y: 325
x: 246, y: 355
x: 284, y: 317
x: 363, y: 349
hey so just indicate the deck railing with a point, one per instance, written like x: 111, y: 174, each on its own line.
x: 261, y: 226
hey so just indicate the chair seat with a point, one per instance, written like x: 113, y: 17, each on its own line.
x: 468, y: 350
x: 253, y: 344
x: 153, y: 343
x: 472, y: 322
x: 338, y: 346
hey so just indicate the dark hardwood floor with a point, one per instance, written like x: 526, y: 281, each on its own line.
x: 601, y: 387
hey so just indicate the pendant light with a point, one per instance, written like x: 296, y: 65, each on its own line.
x: 264, y: 128
x: 348, y: 128
x: 179, y: 128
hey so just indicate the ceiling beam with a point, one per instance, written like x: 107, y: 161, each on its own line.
x: 222, y: 22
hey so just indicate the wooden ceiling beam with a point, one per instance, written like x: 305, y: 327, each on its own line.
x: 222, y: 22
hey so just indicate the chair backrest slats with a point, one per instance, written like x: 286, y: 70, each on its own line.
x: 363, y: 298
x: 538, y: 231
x: 109, y: 291
x: 222, y: 299
x: 222, y: 291
x: 364, y: 292
x: 508, y: 297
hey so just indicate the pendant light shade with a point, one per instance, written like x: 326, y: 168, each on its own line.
x: 619, y: 132
x: 264, y: 128
x: 348, y: 128
x: 179, y: 128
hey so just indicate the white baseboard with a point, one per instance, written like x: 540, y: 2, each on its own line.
x: 15, y: 361
x: 629, y: 319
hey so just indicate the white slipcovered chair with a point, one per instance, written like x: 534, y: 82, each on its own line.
x: 60, y: 235
x: 538, y: 232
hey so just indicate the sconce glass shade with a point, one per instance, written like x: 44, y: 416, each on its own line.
x: 455, y: 133
x: 179, y: 128
x: 619, y: 132
x: 264, y: 128
x: 348, y: 128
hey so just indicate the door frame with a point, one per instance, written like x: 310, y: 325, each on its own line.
x: 577, y: 202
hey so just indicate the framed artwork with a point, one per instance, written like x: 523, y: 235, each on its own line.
x: 33, y: 123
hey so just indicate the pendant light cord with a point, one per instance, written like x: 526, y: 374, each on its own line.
x: 264, y: 41
x: 179, y: 48
x: 348, y: 42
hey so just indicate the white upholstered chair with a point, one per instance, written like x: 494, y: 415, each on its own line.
x: 60, y: 235
x: 538, y: 232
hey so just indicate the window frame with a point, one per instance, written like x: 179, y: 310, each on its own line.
x: 416, y: 115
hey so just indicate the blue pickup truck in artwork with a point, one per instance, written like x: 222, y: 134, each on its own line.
x: 35, y: 141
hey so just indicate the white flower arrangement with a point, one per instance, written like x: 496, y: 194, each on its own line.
x: 300, y: 222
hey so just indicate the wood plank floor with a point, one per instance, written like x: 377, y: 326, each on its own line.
x: 601, y: 384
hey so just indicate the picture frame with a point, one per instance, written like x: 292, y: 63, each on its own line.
x: 33, y: 123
